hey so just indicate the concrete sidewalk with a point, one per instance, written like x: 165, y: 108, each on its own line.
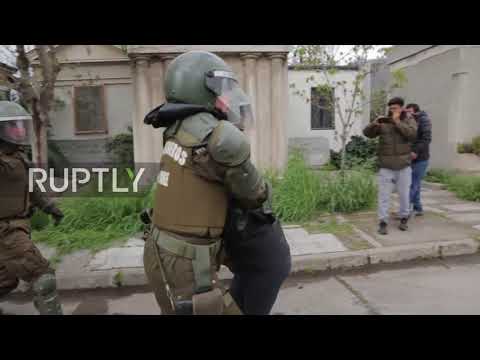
x: 450, y: 227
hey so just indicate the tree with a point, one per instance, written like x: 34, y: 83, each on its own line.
x: 327, y: 60
x: 38, y: 94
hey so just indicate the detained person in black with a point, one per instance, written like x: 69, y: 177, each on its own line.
x: 259, y: 257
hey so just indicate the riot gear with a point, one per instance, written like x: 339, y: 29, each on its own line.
x: 206, y: 159
x: 19, y: 257
x: 15, y: 124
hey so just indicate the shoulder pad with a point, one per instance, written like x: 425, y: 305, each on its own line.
x: 196, y: 128
x: 228, y: 145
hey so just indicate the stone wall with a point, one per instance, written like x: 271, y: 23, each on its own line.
x: 84, y: 151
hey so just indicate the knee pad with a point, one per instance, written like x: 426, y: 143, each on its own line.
x: 45, y: 285
x: 46, y: 299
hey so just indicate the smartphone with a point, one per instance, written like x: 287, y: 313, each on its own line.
x: 384, y: 120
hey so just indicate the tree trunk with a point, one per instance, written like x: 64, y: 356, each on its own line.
x: 39, y: 141
x: 39, y: 98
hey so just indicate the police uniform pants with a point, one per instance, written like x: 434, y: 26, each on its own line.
x: 179, y: 274
x: 19, y: 257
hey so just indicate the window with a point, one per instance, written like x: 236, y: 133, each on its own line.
x: 323, y: 116
x: 89, y: 110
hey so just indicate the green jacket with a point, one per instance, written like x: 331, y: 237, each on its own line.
x: 395, y: 146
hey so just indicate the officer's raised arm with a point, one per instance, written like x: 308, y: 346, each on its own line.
x: 230, y: 148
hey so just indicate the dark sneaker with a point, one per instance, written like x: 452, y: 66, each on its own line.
x: 403, y: 224
x: 382, y: 229
x: 419, y: 213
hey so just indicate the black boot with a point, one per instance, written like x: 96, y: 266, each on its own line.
x: 403, y: 224
x: 382, y: 230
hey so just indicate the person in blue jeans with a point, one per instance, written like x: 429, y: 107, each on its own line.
x: 420, y: 155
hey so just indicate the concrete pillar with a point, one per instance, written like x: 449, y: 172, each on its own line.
x: 250, y: 86
x: 263, y: 112
x: 278, y: 114
x: 157, y: 78
x: 142, y: 134
x: 167, y: 59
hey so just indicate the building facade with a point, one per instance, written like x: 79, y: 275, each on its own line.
x: 445, y: 81
x: 312, y: 125
x: 102, y: 90
x: 262, y: 72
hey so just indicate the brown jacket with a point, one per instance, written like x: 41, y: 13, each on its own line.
x: 395, y: 147
x: 16, y: 201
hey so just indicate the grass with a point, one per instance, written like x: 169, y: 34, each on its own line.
x: 91, y: 223
x: 302, y: 193
x: 438, y: 176
x: 466, y: 187
x: 299, y: 195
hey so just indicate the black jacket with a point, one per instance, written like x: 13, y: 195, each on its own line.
x: 421, y: 146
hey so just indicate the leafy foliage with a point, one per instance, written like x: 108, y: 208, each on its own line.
x: 301, y: 193
x: 359, y: 152
x: 121, y: 148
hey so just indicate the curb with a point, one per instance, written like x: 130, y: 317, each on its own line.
x: 101, y: 279
x: 385, y: 255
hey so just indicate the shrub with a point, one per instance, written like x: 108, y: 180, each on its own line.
x: 465, y: 148
x: 359, y: 152
x: 121, y: 148
x: 476, y: 145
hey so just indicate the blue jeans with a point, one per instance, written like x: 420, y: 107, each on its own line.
x: 419, y: 169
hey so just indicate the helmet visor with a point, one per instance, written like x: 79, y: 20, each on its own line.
x: 16, y: 131
x: 231, y: 100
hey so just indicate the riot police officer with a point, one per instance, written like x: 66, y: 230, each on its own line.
x: 205, y: 162
x: 19, y: 257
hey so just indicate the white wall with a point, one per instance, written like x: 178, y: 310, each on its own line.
x: 299, y: 110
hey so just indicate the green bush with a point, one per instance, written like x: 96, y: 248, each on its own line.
x: 465, y: 148
x: 121, y: 148
x: 359, y: 152
x: 476, y: 145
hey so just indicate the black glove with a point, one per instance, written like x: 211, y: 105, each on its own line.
x: 56, y: 213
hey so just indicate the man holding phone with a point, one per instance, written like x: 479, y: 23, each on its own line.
x: 397, y: 132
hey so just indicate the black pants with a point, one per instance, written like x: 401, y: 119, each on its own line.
x: 261, y: 262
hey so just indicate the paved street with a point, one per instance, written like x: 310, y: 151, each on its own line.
x: 448, y: 286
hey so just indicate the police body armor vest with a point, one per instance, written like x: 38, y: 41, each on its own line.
x: 14, y: 193
x: 185, y: 203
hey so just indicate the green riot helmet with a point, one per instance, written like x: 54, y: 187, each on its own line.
x: 202, y: 78
x: 15, y: 123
